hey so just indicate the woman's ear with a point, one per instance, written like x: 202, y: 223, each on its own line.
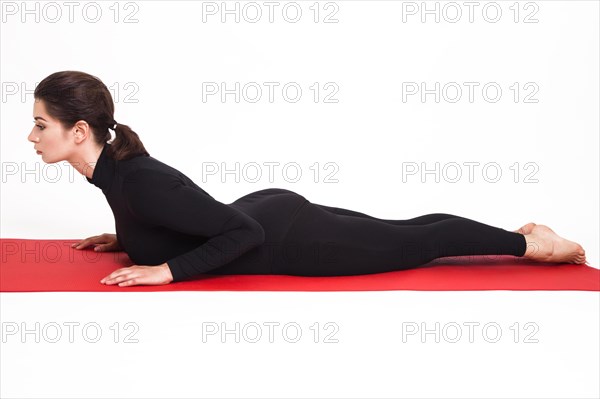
x: 81, y: 130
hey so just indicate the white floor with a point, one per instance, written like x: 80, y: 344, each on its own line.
x: 301, y: 344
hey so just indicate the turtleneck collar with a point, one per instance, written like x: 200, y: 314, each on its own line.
x: 104, y: 170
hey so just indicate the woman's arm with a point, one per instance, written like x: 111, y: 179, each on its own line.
x: 164, y: 200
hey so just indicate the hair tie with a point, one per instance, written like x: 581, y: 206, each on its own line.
x: 114, y: 127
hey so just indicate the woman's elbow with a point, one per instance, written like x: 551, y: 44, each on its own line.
x: 247, y: 230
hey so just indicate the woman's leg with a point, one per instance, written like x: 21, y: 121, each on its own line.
x: 321, y: 243
x: 424, y: 219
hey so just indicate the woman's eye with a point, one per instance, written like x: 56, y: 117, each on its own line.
x: 41, y: 127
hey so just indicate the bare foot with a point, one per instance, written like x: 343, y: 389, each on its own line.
x: 544, y: 245
x: 526, y: 229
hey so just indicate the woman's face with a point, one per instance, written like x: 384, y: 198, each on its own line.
x: 48, y: 136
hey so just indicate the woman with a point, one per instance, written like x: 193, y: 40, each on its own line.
x: 173, y: 230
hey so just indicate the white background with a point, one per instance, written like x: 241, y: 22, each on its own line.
x: 370, y: 134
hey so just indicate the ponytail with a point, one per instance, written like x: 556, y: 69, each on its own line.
x: 126, y: 144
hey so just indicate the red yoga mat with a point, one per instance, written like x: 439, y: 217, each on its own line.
x: 30, y: 265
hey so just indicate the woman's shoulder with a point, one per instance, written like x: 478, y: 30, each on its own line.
x: 149, y: 172
x: 149, y: 175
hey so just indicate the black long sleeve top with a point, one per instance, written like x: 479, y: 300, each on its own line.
x: 162, y: 216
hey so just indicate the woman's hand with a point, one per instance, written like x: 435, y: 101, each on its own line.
x: 139, y: 275
x: 103, y: 242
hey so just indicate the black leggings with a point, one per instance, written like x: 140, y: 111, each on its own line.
x: 330, y: 241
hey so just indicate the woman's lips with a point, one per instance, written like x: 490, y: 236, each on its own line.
x: 39, y: 152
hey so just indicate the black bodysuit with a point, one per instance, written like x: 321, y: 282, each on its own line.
x: 162, y: 216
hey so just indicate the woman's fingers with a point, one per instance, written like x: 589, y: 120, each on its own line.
x: 131, y: 281
x: 114, y: 279
x: 139, y: 275
x: 126, y: 279
x: 79, y: 245
x: 86, y: 242
x: 103, y: 247
x: 103, y: 239
x: 117, y: 276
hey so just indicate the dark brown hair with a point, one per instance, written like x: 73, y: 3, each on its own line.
x: 71, y: 96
